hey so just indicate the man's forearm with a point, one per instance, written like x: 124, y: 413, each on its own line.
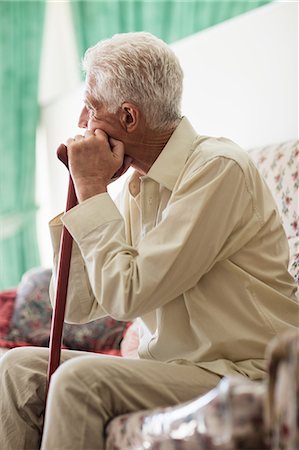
x: 81, y: 306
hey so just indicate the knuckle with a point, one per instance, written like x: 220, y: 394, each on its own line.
x: 72, y: 146
x: 100, y: 134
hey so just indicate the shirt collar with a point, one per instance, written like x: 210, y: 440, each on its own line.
x: 171, y: 160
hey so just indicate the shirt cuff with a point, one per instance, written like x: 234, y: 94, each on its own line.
x: 90, y: 214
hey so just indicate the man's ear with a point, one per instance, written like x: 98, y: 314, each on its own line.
x: 129, y: 116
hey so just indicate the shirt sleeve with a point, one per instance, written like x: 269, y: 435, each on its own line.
x: 210, y: 215
x: 81, y: 306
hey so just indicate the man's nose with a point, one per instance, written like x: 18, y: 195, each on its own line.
x: 83, y: 118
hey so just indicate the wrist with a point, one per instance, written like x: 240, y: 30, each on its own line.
x: 86, y: 192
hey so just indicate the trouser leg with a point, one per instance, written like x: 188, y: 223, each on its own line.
x: 22, y: 396
x: 85, y: 393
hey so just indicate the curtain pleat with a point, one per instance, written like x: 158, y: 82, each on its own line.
x: 21, y: 26
x: 170, y: 20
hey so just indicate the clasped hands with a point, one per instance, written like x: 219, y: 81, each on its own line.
x: 95, y: 160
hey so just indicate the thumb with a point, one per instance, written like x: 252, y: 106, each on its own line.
x: 125, y: 166
x: 117, y: 148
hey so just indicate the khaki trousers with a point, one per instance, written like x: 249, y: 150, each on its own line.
x: 86, y: 391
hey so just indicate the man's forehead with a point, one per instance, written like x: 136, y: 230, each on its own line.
x: 88, y: 99
x: 88, y: 87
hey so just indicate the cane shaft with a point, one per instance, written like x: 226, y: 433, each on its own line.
x: 61, y: 289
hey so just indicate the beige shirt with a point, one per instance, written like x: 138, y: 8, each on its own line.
x: 198, y: 253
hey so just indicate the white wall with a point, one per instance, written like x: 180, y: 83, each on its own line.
x: 240, y: 82
x: 241, y: 77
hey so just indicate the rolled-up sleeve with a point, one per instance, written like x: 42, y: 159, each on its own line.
x: 210, y: 215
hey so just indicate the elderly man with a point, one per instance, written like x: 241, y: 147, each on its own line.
x: 195, y: 250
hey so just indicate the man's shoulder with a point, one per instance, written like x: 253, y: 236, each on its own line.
x: 207, y: 148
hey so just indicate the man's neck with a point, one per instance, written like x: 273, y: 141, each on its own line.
x: 152, y: 143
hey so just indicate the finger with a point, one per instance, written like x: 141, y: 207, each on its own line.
x: 78, y: 137
x: 101, y: 134
x: 117, y: 147
x: 70, y: 141
x: 88, y: 133
x: 114, y: 142
x: 126, y: 165
x: 127, y: 162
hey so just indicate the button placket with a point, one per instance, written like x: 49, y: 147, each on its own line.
x: 149, y: 191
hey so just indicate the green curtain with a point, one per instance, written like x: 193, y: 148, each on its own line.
x: 21, y: 26
x: 170, y: 20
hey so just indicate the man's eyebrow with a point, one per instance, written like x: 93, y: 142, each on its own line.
x: 88, y: 104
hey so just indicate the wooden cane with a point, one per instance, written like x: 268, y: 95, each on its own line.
x: 62, y: 279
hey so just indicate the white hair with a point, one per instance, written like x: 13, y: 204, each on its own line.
x: 140, y: 68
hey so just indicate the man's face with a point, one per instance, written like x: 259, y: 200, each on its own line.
x: 95, y: 116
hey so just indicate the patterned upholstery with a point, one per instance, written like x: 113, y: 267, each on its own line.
x: 279, y: 165
x: 26, y: 320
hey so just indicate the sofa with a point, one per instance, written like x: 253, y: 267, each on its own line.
x: 237, y: 414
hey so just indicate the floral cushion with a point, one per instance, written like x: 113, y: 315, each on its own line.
x: 279, y: 165
x: 7, y: 301
x: 28, y: 320
x: 31, y: 318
